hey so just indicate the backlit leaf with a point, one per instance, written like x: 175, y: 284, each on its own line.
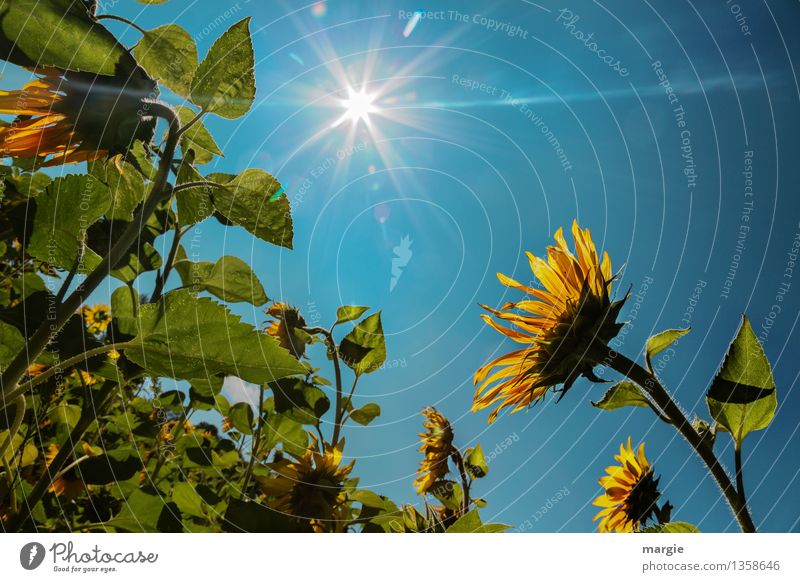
x: 364, y: 348
x: 169, y: 55
x: 183, y: 336
x: 742, y: 397
x: 225, y: 82
x: 620, y: 395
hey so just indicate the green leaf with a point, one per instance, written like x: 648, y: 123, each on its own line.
x: 59, y: 33
x: 232, y: 280
x: 620, y: 395
x: 252, y: 517
x: 471, y: 523
x: 192, y: 273
x: 187, y: 500
x: 64, y: 210
x: 366, y: 414
x: 169, y: 55
x: 448, y: 492
x: 148, y: 513
x: 138, y: 261
x: 476, y: 462
x: 185, y: 337
x: 300, y: 401
x: 241, y: 415
x: 197, y: 138
x: 661, y: 341
x: 280, y: 429
x: 125, y: 183
x: 368, y: 498
x: 225, y: 82
x: 204, y: 392
x: 67, y: 414
x: 364, y: 348
x: 229, y: 279
x: 249, y: 201
x: 349, y: 313
x: 124, y: 307
x: 11, y: 343
x: 742, y: 397
x: 111, y: 467
x: 672, y: 527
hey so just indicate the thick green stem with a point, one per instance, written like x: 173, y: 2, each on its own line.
x: 651, y: 385
x: 19, y: 414
x: 459, y: 461
x: 256, y: 442
x: 337, y: 423
x: 89, y: 414
x: 63, y: 311
x: 66, y: 365
x: 737, y: 455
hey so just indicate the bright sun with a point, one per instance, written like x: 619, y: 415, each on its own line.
x: 358, y: 106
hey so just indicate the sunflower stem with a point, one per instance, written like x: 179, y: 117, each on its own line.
x: 120, y: 19
x: 737, y: 456
x: 459, y: 460
x: 653, y: 387
x: 66, y: 364
x: 256, y: 442
x: 64, y: 310
x: 19, y: 414
x: 337, y: 424
x: 88, y: 416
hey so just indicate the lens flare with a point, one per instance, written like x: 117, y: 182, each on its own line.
x: 357, y: 106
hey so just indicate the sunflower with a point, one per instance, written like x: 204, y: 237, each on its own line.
x: 310, y: 486
x: 285, y: 328
x: 75, y: 117
x: 97, y: 318
x: 437, y: 446
x: 557, y: 325
x: 631, y: 493
x: 83, y: 377
x: 35, y: 369
x: 66, y: 484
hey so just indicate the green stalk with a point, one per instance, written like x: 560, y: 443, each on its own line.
x: 63, y: 311
x: 653, y: 387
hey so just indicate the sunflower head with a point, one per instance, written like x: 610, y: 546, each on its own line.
x: 631, y: 492
x: 35, y: 369
x: 97, y: 318
x: 557, y: 326
x: 437, y: 446
x: 67, y: 117
x: 67, y: 484
x: 82, y: 377
x: 310, y: 486
x: 286, y: 327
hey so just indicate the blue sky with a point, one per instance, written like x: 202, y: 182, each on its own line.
x: 460, y: 158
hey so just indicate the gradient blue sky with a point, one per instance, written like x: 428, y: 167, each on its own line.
x: 473, y: 181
